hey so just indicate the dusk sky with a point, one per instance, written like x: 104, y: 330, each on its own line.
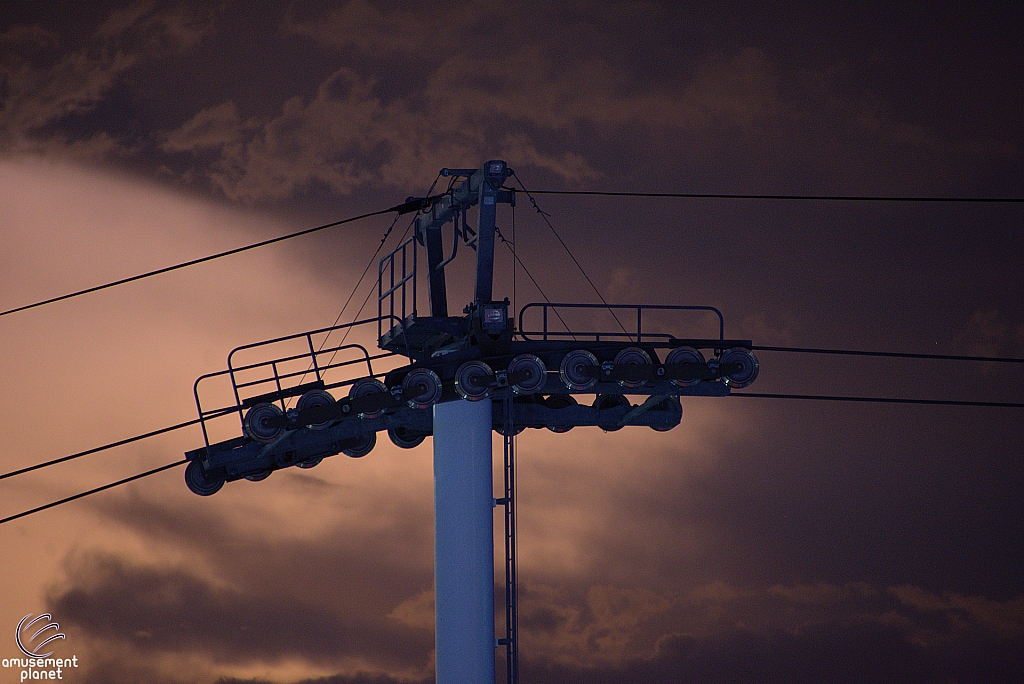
x: 762, y: 540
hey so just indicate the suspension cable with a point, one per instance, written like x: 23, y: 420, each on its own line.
x: 65, y: 500
x: 544, y: 215
x: 819, y: 198
x: 355, y: 288
x: 894, y: 355
x: 879, y: 400
x: 511, y: 248
x: 112, y: 445
x: 400, y: 208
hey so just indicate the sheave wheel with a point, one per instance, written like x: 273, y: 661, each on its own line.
x: 362, y: 447
x: 684, y: 355
x: 748, y: 367
x: 315, y: 398
x: 256, y: 423
x: 364, y: 387
x: 201, y: 482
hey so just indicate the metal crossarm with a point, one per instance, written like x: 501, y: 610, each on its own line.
x: 639, y: 334
x: 457, y: 378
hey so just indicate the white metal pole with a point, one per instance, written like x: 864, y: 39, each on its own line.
x: 463, y: 543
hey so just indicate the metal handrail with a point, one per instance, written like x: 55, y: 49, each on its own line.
x: 295, y: 357
x: 209, y: 414
x: 367, y: 358
x: 637, y: 337
x: 277, y: 377
x: 296, y: 336
x: 387, y: 262
x: 199, y: 408
x: 318, y: 371
x: 273, y: 364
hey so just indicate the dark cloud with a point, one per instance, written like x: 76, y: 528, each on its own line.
x: 259, y: 600
x: 173, y: 610
x: 46, y: 91
x: 763, y: 540
x: 797, y: 633
x: 357, y: 678
x: 856, y: 653
x: 642, y: 606
x: 390, y: 93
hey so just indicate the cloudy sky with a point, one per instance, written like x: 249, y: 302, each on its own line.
x: 761, y: 540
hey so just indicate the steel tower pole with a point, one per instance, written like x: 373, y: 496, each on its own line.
x: 463, y: 543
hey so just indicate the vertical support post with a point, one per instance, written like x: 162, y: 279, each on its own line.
x: 493, y: 175
x: 435, y: 275
x: 485, y: 242
x: 463, y: 543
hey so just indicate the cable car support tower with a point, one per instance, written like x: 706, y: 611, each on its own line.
x: 457, y: 378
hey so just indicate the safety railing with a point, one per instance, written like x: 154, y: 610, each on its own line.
x: 636, y: 315
x: 281, y: 377
x: 399, y: 268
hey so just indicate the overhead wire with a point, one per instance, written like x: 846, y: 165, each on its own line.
x: 369, y: 263
x: 323, y: 343
x: 106, y: 447
x: 878, y: 400
x: 401, y: 208
x: 893, y: 355
x: 885, y: 400
x: 172, y: 427
x: 533, y: 280
x: 811, y: 350
x: 105, y: 487
x: 544, y: 215
x: 414, y: 204
x: 362, y: 306
x: 754, y: 395
x: 820, y: 198
x: 514, y: 269
x: 366, y: 270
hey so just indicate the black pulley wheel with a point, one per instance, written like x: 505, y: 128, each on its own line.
x: 404, y: 438
x: 365, y: 387
x: 315, y: 398
x: 530, y: 370
x: 257, y: 423
x: 605, y: 402
x: 421, y: 388
x: 748, y: 367
x: 363, y: 446
x: 473, y: 380
x: 633, y: 356
x: 573, y: 370
x: 201, y: 482
x: 560, y: 401
x: 684, y: 355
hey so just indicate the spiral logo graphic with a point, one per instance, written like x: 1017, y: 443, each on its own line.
x: 25, y: 643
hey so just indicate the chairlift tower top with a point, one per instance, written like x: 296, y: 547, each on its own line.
x: 455, y: 366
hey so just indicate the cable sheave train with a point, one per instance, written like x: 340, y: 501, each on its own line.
x: 538, y: 365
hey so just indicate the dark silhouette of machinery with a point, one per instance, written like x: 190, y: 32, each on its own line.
x: 522, y: 372
x: 476, y: 355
